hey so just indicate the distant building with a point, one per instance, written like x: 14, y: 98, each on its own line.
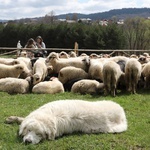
x: 85, y: 20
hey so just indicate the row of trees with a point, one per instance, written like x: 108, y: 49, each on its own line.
x: 134, y: 34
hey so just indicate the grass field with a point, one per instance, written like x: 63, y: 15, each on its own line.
x: 137, y: 137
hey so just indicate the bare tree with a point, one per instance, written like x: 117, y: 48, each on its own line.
x: 137, y: 33
x: 50, y: 17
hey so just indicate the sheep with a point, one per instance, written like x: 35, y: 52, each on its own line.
x: 68, y: 84
x: 14, y: 85
x: 39, y: 71
x: 95, y: 69
x: 111, y: 75
x: 87, y: 86
x: 146, y: 74
x: 7, y: 61
x: 122, y: 64
x: 132, y: 74
x: 118, y: 58
x: 72, y: 54
x: 68, y: 73
x: 26, y: 62
x: 59, y: 63
x: 142, y: 59
x: 63, y: 55
x: 11, y: 71
x: 49, y: 87
x: 94, y: 56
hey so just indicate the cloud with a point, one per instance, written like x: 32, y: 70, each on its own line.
x: 17, y: 9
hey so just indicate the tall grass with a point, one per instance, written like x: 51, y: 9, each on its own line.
x: 137, y: 137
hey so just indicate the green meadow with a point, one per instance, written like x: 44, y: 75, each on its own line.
x: 137, y: 137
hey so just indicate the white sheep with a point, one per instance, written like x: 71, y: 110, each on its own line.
x: 39, y: 71
x: 95, y: 69
x: 68, y: 73
x: 63, y: 55
x: 72, y: 54
x: 111, y: 75
x: 7, y: 61
x: 49, y: 87
x: 132, y: 74
x: 59, y: 63
x: 14, y: 85
x: 26, y: 62
x: 87, y: 86
x: 146, y: 74
x: 11, y: 70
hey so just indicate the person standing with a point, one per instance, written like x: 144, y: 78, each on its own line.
x: 31, y: 44
x: 40, y: 43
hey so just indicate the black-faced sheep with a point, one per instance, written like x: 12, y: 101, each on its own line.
x: 132, y: 74
x: 111, y: 75
x: 68, y: 73
x: 11, y: 70
x: 49, y: 87
x: 14, y: 85
x: 59, y: 63
x: 87, y: 86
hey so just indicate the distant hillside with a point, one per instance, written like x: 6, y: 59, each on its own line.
x: 118, y: 13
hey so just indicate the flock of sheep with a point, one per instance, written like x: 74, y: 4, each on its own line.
x: 83, y: 74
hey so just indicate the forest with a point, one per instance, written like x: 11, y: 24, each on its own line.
x: 133, y: 34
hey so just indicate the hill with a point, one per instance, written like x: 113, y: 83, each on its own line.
x: 118, y: 13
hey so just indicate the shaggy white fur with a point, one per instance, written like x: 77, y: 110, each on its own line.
x: 67, y: 116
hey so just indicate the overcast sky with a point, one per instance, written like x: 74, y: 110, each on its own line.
x: 16, y: 9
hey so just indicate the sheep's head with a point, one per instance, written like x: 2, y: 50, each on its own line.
x: 19, y: 68
x: 52, y: 56
x: 36, y: 79
x: 63, y: 55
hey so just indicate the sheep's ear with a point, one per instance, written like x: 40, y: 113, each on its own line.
x: 61, y: 74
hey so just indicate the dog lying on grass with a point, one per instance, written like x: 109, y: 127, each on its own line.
x: 61, y: 117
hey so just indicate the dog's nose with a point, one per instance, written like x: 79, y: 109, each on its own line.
x: 28, y: 141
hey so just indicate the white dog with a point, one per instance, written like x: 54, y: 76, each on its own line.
x: 67, y: 116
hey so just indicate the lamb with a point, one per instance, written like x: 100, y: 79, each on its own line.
x: 39, y: 71
x: 87, y: 86
x: 14, y: 85
x: 11, y: 70
x: 59, y: 63
x: 49, y: 87
x: 68, y: 73
x: 111, y: 75
x: 132, y: 74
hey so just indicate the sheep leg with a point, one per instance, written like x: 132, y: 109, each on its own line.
x: 106, y: 90
x: 14, y: 119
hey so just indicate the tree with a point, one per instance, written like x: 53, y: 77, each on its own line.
x: 137, y: 33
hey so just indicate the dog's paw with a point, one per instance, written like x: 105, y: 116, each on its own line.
x: 11, y: 119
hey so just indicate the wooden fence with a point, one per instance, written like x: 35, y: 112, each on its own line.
x: 12, y: 51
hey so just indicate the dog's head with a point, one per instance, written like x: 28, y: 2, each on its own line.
x: 34, y: 130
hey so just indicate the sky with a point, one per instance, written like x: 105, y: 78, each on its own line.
x: 17, y: 9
